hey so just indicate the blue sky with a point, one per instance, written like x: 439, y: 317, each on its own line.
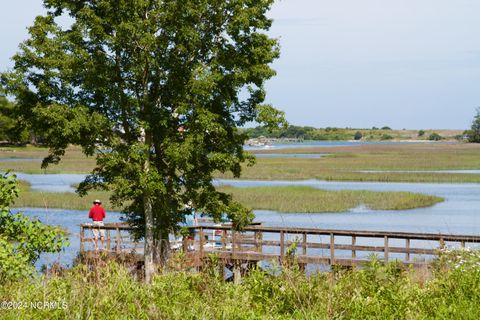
x: 406, y: 64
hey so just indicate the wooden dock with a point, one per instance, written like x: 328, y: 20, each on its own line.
x: 305, y: 246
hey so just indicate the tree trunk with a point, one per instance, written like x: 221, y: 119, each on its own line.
x: 149, y: 249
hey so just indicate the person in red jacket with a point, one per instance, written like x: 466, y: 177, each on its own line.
x: 97, y: 214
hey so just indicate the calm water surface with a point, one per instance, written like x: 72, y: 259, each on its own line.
x: 458, y: 214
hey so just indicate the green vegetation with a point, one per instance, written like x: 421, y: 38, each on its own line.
x: 332, y: 133
x: 434, y: 137
x: 22, y: 239
x: 11, y: 130
x: 473, y: 134
x: 447, y: 291
x: 283, y: 199
x: 307, y: 199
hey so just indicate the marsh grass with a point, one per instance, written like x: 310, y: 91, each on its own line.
x: 341, y: 165
x: 29, y: 198
x: 309, y: 200
x: 107, y: 291
x: 282, y: 199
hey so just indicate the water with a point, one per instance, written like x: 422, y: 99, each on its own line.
x: 69, y: 220
x: 326, y: 143
x: 473, y: 171
x: 20, y: 159
x: 291, y: 155
x: 458, y: 214
x: 52, y: 182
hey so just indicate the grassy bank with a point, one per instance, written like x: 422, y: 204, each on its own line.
x: 283, y: 199
x: 307, y: 199
x: 448, y: 291
x: 63, y: 200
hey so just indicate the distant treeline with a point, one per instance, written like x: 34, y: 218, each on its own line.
x: 333, y: 133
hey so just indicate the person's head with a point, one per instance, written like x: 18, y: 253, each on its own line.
x: 97, y: 202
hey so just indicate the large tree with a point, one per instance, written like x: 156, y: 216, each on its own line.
x: 160, y: 86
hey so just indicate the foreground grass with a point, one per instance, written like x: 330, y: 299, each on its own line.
x: 374, y: 292
x: 308, y: 199
x: 282, y: 199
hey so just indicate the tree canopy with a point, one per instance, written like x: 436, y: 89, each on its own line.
x: 155, y: 90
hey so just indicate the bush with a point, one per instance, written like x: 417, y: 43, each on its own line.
x: 22, y: 239
x: 421, y: 133
x: 358, y: 135
x: 435, y: 137
x: 386, y: 137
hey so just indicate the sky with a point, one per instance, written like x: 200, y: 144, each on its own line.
x: 411, y: 64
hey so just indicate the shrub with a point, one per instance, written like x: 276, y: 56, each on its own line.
x: 435, y: 137
x: 358, y: 135
x: 22, y: 239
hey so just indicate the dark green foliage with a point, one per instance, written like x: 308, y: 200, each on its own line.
x: 11, y: 129
x: 22, y: 239
x: 358, y: 135
x: 435, y: 137
x: 473, y: 134
x: 421, y: 133
x: 387, y: 128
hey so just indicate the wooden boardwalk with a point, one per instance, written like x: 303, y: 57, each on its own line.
x: 304, y: 245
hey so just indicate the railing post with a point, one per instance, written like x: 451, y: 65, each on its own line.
x: 385, y: 249
x: 258, y: 240
x: 282, y: 246
x: 354, y: 243
x: 442, y: 243
x: 304, y: 251
x: 82, y: 239
x: 407, y: 249
x: 224, y: 239
x: 118, y: 240
x: 462, y: 244
x: 332, y: 249
x: 108, y: 240
x: 201, y: 242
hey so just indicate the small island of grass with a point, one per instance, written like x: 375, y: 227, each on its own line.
x: 300, y: 199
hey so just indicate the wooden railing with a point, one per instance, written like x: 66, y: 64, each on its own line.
x: 306, y: 245
x: 320, y: 246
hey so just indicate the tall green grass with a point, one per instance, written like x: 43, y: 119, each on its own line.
x: 374, y: 292
x: 307, y: 199
x: 283, y: 199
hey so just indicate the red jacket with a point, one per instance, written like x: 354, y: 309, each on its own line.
x: 97, y: 213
